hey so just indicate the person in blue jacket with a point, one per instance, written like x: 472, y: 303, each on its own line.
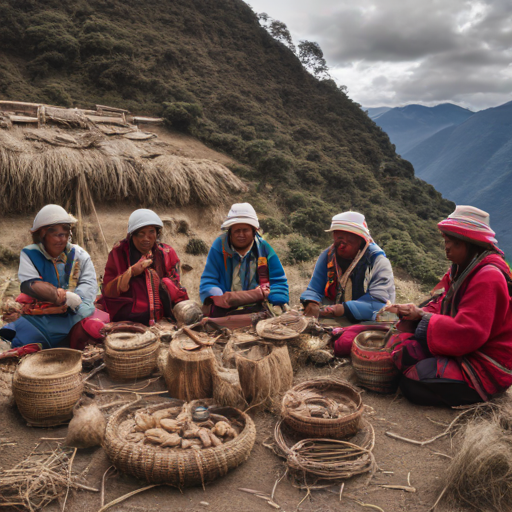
x: 242, y: 270
x: 352, y: 278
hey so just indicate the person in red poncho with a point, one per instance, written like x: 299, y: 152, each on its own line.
x: 142, y: 276
x: 461, y: 350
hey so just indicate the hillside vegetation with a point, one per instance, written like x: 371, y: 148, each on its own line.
x: 212, y: 70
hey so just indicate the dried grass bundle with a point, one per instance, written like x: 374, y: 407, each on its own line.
x: 189, y: 374
x: 33, y: 173
x: 265, y: 371
x: 480, y: 474
x: 227, y: 390
x: 39, y: 479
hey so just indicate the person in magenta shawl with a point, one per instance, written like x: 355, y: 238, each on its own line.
x: 461, y: 350
x: 142, y: 276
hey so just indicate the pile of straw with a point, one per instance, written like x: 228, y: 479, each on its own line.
x: 34, y: 172
x: 39, y: 479
x: 480, y: 474
x: 227, y: 390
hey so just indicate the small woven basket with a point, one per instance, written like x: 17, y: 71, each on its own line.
x: 174, y: 466
x: 334, y: 428
x: 372, y: 362
x: 130, y: 355
x: 46, y: 386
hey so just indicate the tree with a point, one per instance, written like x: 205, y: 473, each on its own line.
x: 312, y: 58
x: 278, y: 30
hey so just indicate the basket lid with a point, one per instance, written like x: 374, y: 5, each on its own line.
x: 128, y: 341
x: 284, y: 327
x: 51, y: 363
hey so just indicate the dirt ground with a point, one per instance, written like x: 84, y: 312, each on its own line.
x: 422, y: 465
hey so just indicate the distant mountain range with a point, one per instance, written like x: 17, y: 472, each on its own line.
x: 410, y: 125
x: 469, y: 160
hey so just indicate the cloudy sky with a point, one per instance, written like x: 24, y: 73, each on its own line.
x: 396, y: 52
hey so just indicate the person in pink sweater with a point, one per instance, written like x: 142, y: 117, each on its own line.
x: 461, y: 349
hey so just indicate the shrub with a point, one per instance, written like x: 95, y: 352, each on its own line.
x: 196, y: 246
x: 227, y: 142
x: 256, y: 150
x: 57, y: 95
x: 312, y: 220
x: 274, y: 227
x: 181, y: 115
x: 301, y: 249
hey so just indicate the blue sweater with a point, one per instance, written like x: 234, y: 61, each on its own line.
x: 372, y: 284
x: 217, y: 275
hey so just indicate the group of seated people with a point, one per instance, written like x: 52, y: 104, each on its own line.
x: 456, y: 349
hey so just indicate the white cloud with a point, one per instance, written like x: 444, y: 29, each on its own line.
x: 395, y: 52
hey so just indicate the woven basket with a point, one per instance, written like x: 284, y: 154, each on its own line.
x: 372, y: 362
x: 333, y: 428
x: 130, y: 355
x: 174, y: 466
x: 189, y: 374
x: 284, y: 327
x: 46, y: 386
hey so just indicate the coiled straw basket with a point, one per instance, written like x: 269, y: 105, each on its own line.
x: 333, y: 428
x: 371, y: 359
x: 174, y: 466
x: 131, y: 355
x: 46, y: 386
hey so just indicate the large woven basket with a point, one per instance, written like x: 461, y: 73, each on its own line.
x: 131, y: 355
x: 46, y: 386
x: 189, y: 374
x: 333, y: 428
x: 372, y: 362
x: 174, y: 466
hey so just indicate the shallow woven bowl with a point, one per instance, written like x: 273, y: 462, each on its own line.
x: 174, y: 466
x: 130, y: 356
x: 337, y: 428
x: 372, y: 362
x: 284, y: 327
x: 46, y: 386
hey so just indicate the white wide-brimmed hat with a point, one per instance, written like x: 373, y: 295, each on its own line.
x: 241, y: 213
x: 353, y: 222
x: 51, y: 214
x: 141, y: 218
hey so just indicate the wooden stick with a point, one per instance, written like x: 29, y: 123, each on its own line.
x: 126, y: 496
x: 91, y: 204
x: 102, y: 498
x: 69, y: 478
x: 95, y: 371
x: 194, y: 337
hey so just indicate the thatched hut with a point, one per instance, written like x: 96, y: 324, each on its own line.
x: 74, y: 157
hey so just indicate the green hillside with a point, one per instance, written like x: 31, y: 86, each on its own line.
x: 211, y: 69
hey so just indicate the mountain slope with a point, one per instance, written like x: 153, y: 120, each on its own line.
x: 410, y: 125
x: 375, y: 112
x: 472, y: 164
x: 212, y: 70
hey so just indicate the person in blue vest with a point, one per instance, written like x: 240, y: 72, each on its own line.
x: 352, y: 278
x: 58, y: 283
x: 242, y: 270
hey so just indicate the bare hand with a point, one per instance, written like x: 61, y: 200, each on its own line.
x: 312, y: 309
x: 140, y: 266
x: 61, y: 296
x: 408, y: 311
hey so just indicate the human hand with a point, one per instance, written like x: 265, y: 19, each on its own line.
x: 408, y: 311
x: 140, y: 266
x: 312, y: 309
x: 61, y: 296
x: 73, y: 300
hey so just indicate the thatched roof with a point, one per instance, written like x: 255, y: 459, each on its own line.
x: 48, y: 165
